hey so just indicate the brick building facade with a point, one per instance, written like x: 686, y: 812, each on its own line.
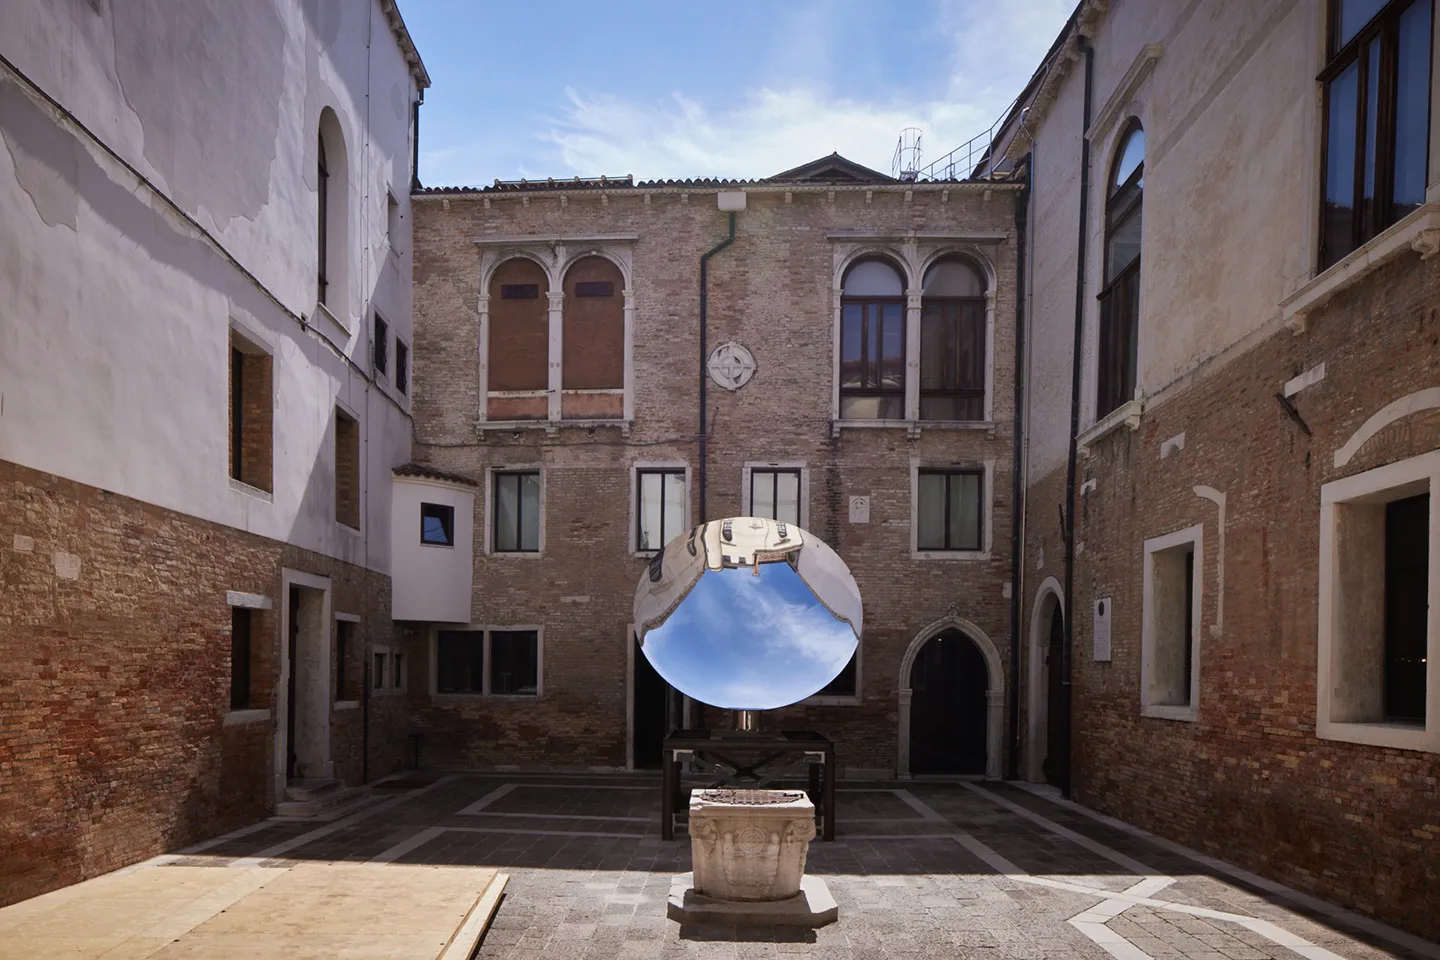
x: 497, y: 294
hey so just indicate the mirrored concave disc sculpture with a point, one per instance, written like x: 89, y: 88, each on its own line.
x: 748, y: 614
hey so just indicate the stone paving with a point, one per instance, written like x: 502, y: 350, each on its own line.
x: 919, y: 869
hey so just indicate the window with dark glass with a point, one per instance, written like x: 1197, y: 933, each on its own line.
x: 397, y: 673
x: 322, y: 240
x: 1120, y: 298
x: 502, y: 663
x: 239, y: 658
x: 437, y: 524
x: 517, y: 512
x: 775, y: 494
x: 382, y: 344
x: 952, y: 342
x: 514, y: 662
x: 402, y: 366
x: 659, y: 507
x: 1407, y: 577
x: 344, y: 649
x: 1377, y: 119
x: 377, y: 673
x: 460, y: 661
x: 844, y: 684
x: 872, y: 342
x: 948, y: 514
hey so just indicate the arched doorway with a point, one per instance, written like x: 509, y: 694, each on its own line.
x: 947, y: 708
x: 1045, y: 673
x: 951, y: 702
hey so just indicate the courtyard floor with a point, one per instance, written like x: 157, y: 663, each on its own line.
x: 919, y: 869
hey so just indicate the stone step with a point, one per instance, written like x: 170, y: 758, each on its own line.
x: 312, y: 788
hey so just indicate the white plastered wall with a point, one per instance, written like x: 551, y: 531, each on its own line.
x: 430, y: 581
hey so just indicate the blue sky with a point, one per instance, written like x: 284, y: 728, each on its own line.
x: 747, y: 642
x: 736, y: 89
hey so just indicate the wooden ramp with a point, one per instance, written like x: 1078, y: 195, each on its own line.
x: 324, y: 911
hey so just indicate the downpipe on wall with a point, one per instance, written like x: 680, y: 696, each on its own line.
x: 1067, y: 649
x: 1017, y: 483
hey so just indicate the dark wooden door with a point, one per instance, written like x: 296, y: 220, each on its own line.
x: 1054, y: 712
x: 290, y: 690
x: 947, y: 707
x: 650, y: 700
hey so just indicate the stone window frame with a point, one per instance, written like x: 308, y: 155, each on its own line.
x: 348, y: 412
x: 359, y: 682
x: 235, y: 599
x: 748, y: 469
x: 491, y: 505
x: 913, y: 256
x: 485, y: 630
x: 987, y: 509
x: 632, y: 521
x: 251, y: 343
x: 555, y: 255
x: 1194, y: 536
x: 389, y: 688
x: 1382, y: 484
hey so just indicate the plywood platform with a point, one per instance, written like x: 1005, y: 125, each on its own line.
x: 298, y: 911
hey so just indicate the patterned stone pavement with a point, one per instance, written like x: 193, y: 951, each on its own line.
x: 919, y: 869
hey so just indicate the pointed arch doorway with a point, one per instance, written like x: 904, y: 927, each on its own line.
x: 951, y: 702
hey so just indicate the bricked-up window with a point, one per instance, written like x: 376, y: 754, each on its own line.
x: 500, y: 663
x: 872, y: 342
x: 948, y: 515
x: 251, y: 414
x: 660, y: 507
x: 380, y: 348
x: 1170, y: 629
x: 1120, y: 299
x: 518, y: 342
x: 593, y: 330
x: 775, y: 494
x: 1377, y: 119
x: 952, y: 342
x: 240, y: 641
x: 347, y: 469
x: 516, y: 521
x: 437, y: 524
x: 402, y: 366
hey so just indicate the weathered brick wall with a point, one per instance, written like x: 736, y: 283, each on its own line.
x: 114, y: 678
x: 770, y: 291
x: 1250, y: 782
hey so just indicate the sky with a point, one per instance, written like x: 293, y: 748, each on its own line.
x: 742, y: 88
x: 746, y: 642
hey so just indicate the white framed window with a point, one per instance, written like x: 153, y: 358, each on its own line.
x: 1170, y: 625
x: 387, y: 670
x: 779, y: 490
x: 1378, y: 663
x: 515, y: 514
x: 659, y: 504
x: 480, y: 661
x: 951, y: 506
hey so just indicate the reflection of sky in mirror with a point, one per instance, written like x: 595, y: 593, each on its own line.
x: 744, y: 642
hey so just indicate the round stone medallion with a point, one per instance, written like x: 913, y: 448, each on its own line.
x: 731, y: 365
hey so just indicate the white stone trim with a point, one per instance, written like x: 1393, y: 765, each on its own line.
x: 489, y: 500
x: 1036, y: 693
x: 485, y: 629
x: 319, y: 711
x: 1113, y: 109
x: 1125, y: 415
x: 987, y: 510
x: 635, y: 467
x: 1190, y: 535
x: 387, y: 686
x: 250, y: 601
x: 1307, y: 379
x: 1427, y: 399
x: 236, y: 718
x: 348, y: 617
x: 747, y: 471
x: 994, y: 696
x: 1394, y: 480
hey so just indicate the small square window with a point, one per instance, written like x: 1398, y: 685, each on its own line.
x: 660, y: 507
x: 381, y: 348
x: 1170, y: 630
x: 514, y: 662
x: 948, y: 515
x: 402, y: 366
x: 517, y: 512
x: 437, y: 524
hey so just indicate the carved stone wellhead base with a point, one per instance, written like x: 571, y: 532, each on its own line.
x: 750, y: 845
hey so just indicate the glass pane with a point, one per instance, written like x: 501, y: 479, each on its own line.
x: 873, y: 278
x: 1340, y: 164
x: 964, y: 511
x: 377, y: 672
x: 971, y: 337
x: 398, y: 680
x: 1129, y: 156
x: 507, y: 512
x: 1124, y: 246
x: 892, y: 408
x: 529, y: 511
x: 458, y: 661
x: 872, y: 345
x: 1354, y: 14
x: 930, y: 513
x: 650, y: 514
x: 436, y: 521
x: 953, y: 278
x: 1368, y: 214
x: 940, y: 408
x: 935, y: 334
x: 1412, y: 109
x: 514, y: 662
x: 860, y: 408
x: 674, y: 519
x: 787, y: 497
x: 852, y: 371
x: 762, y: 494
x: 892, y: 364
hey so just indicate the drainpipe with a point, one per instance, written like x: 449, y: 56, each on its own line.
x: 1067, y: 649
x: 1017, y: 483
x: 731, y: 201
x: 415, y: 141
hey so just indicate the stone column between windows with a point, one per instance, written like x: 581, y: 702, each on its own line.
x: 483, y: 308
x: 990, y: 355
x: 913, y: 299
x: 557, y: 313
x: 629, y: 382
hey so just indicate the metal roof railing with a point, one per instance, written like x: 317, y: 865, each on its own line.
x: 962, y: 162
